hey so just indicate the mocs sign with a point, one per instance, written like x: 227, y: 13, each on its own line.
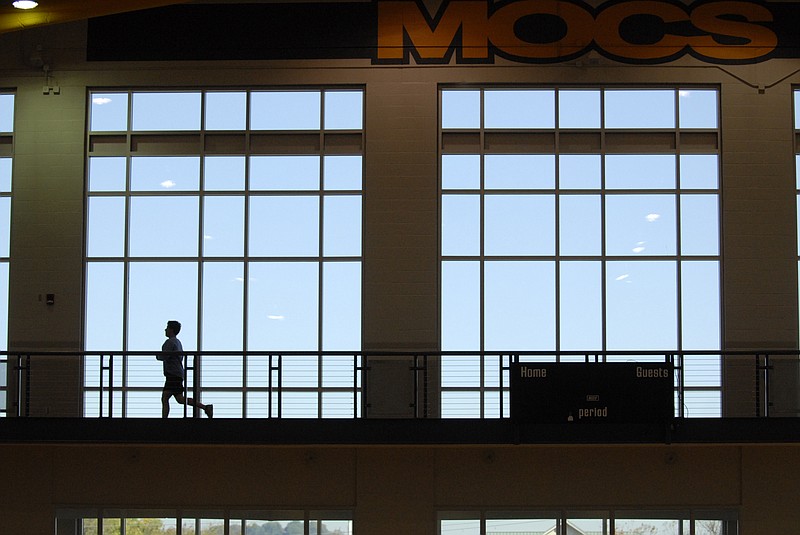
x: 549, y: 31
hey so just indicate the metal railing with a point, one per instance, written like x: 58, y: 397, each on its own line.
x: 369, y: 384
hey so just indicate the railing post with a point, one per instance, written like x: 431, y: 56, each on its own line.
x: 23, y: 367
x: 766, y: 385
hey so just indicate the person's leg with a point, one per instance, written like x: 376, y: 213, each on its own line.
x: 165, y: 395
x: 208, y: 409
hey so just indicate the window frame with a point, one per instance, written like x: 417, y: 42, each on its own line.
x: 472, y: 138
x: 201, y: 143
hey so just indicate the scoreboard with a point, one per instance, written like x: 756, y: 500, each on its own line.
x: 612, y: 392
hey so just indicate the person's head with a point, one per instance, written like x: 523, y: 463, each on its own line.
x: 174, y: 326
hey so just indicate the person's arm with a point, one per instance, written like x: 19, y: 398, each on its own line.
x: 166, y: 350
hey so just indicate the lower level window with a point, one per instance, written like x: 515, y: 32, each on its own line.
x: 684, y: 522
x: 124, y: 522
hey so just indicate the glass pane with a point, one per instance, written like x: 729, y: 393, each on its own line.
x: 223, y: 371
x: 107, y: 173
x: 461, y: 109
x: 285, y: 110
x: 338, y: 405
x: 284, y: 172
x: 109, y: 112
x: 461, y: 371
x: 699, y: 225
x: 283, y: 306
x: 580, y: 225
x: 158, y: 292
x: 581, y: 305
x: 212, y: 527
x: 697, y: 108
x: 147, y: 404
x: 459, y: 404
x: 519, y: 306
x: 702, y: 370
x: 223, y: 226
x: 461, y: 313
x: 6, y: 113
x: 342, y: 172
x: 797, y: 110
x: 5, y: 174
x: 166, y: 111
x: 284, y: 226
x: 640, y: 171
x: 460, y: 527
x: 461, y: 171
x: 520, y: 171
x: 104, y: 306
x: 461, y: 231
x: 640, y: 225
x: 339, y: 371
x: 342, y: 225
x: 226, y: 110
x: 149, y: 525
x: 341, y: 306
x: 223, y: 173
x: 300, y: 371
x: 257, y: 405
x: 223, y: 306
x: 5, y: 225
x: 699, y: 171
x: 165, y: 173
x: 299, y: 405
x: 334, y: 527
x: 344, y: 110
x: 641, y: 306
x: 579, y: 109
x: 3, y: 310
x: 708, y: 527
x: 164, y: 226
x: 519, y: 108
x: 700, y: 305
x: 521, y: 525
x: 519, y: 225
x: 640, y: 108
x: 579, y: 171
x: 652, y: 526
x: 702, y: 404
x: 106, y: 232
x: 595, y: 526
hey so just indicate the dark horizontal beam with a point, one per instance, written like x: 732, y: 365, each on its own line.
x: 366, y: 432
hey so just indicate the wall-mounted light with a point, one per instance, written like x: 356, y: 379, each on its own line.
x: 25, y: 4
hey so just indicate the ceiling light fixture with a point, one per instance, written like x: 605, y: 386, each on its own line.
x: 25, y: 4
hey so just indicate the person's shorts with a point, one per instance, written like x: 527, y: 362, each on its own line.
x: 173, y: 385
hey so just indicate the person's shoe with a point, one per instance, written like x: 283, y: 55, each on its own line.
x: 210, y: 411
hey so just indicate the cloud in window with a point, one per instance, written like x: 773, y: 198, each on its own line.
x: 168, y: 184
x: 639, y: 247
x: 276, y: 317
x: 651, y: 218
x: 101, y: 100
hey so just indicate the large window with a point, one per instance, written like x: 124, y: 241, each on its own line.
x: 578, y: 220
x: 797, y: 170
x: 237, y: 213
x: 620, y: 522
x: 202, y: 522
x: 6, y: 155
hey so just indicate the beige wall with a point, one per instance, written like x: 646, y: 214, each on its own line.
x: 388, y: 487
x: 391, y: 488
x: 401, y: 204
